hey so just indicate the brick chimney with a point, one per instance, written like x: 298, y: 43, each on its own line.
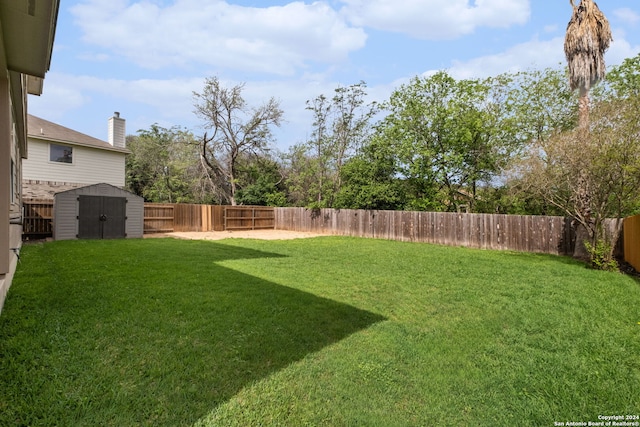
x: 117, y: 132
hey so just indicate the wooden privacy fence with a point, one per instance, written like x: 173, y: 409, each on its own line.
x: 158, y: 218
x: 162, y: 218
x: 543, y: 234
x: 514, y: 232
x: 37, y: 219
x: 631, y: 230
x: 248, y: 217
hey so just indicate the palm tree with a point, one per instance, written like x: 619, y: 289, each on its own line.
x: 588, y: 37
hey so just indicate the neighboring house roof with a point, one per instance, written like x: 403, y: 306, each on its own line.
x: 48, y: 131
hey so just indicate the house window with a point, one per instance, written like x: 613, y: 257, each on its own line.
x: 60, y: 153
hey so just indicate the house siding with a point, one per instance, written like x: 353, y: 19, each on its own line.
x: 26, y: 44
x: 10, y: 191
x: 7, y: 145
x: 90, y: 166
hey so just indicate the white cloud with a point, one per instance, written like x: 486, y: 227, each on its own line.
x: 95, y: 57
x: 168, y: 102
x: 58, y: 98
x: 620, y: 49
x: 533, y: 54
x: 277, y: 39
x: 627, y: 15
x: 68, y: 97
x: 436, y: 19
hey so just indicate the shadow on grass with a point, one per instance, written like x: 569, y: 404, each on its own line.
x: 149, y: 333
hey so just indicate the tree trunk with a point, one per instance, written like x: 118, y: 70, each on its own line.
x: 580, y: 251
x: 583, y: 112
x: 583, y: 196
x: 584, y: 230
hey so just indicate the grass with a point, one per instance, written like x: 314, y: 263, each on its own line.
x: 324, y: 331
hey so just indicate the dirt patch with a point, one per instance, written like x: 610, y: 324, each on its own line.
x: 238, y: 234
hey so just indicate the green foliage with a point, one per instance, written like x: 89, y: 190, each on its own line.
x: 259, y: 182
x: 369, y: 182
x: 448, y: 134
x: 622, y: 82
x: 341, y: 126
x: 601, y: 256
x: 605, y: 167
x: 507, y: 200
x: 302, y: 172
x: 541, y: 103
x: 163, y: 167
x: 441, y: 144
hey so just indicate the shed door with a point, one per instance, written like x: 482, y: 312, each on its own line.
x: 102, y: 217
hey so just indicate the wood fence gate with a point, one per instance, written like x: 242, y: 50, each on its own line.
x: 38, y: 216
x: 249, y: 217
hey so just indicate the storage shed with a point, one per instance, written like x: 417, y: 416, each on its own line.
x: 99, y: 211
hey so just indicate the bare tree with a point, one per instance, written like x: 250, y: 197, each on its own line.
x: 340, y: 127
x: 234, y: 129
x: 559, y: 168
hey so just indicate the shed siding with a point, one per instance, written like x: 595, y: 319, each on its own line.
x: 66, y: 210
x: 90, y: 166
x: 65, y: 214
x: 135, y: 217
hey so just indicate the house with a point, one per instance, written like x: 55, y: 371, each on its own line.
x: 27, y: 30
x: 61, y: 159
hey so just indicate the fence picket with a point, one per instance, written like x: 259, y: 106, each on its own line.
x: 504, y: 232
x: 553, y: 235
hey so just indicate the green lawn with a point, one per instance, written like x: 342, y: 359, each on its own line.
x: 325, y: 331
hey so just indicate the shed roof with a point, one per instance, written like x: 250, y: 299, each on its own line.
x: 45, y: 130
x: 101, y: 188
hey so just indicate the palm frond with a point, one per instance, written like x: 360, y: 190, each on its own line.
x: 588, y: 37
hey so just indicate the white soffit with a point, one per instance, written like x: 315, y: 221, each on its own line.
x: 28, y: 29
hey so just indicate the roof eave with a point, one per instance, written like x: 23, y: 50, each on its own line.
x: 29, y: 28
x: 79, y: 144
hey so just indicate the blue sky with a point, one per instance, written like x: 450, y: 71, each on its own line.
x: 145, y: 58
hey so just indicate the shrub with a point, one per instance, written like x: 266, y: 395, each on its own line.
x: 601, y: 256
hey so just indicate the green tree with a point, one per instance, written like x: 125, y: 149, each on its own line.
x: 369, y: 181
x: 163, y: 165
x: 540, y: 103
x: 622, y: 82
x: 561, y: 168
x: 341, y: 125
x: 260, y: 182
x: 301, y: 171
x: 234, y: 130
x: 449, y: 136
